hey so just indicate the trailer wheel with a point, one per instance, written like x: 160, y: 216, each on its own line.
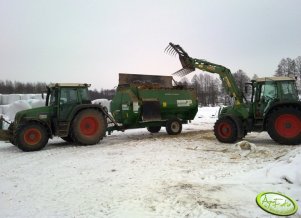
x: 88, y: 127
x: 31, y: 137
x: 154, y: 129
x: 225, y: 130
x: 284, y: 125
x: 173, y: 127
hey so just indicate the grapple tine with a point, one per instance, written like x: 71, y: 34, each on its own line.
x: 170, y: 50
x: 166, y: 49
x: 182, y: 72
x: 185, y: 60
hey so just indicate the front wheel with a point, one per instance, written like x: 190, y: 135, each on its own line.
x: 31, y: 137
x: 173, y: 127
x: 284, y: 126
x: 88, y: 127
x: 225, y: 130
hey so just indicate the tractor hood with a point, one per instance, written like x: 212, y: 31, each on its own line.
x: 40, y: 113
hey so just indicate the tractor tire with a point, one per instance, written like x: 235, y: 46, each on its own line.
x: 88, y: 127
x: 173, y: 126
x: 284, y: 125
x: 154, y: 129
x: 225, y: 130
x: 31, y: 137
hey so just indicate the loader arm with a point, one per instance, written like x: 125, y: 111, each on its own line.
x: 189, y: 64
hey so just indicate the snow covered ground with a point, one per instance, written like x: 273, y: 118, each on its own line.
x: 138, y: 174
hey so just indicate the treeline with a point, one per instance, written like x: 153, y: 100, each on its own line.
x: 208, y: 86
x: 9, y: 87
x: 210, y: 90
x: 103, y: 93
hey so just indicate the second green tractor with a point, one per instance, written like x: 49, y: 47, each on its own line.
x: 274, y: 105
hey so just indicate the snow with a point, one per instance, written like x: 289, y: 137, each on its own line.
x: 104, y: 102
x: 138, y: 174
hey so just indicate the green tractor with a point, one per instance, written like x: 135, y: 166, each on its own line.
x: 68, y: 114
x: 274, y: 106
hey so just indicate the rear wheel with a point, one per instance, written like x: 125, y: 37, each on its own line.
x: 225, y: 130
x: 284, y: 125
x: 88, y: 127
x: 174, y: 127
x: 31, y: 137
x: 154, y: 129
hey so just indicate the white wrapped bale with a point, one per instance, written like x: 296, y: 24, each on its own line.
x: 5, y: 109
x: 8, y: 99
x: 36, y: 103
x: 16, y: 107
x: 37, y: 96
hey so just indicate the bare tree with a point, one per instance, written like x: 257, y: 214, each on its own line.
x: 241, y: 79
x: 286, y: 67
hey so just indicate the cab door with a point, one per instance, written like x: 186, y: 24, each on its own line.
x: 68, y: 99
x: 266, y: 94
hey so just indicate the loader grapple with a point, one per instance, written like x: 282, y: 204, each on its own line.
x: 185, y: 60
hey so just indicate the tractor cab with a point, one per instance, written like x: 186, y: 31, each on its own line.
x: 63, y: 97
x: 271, y: 91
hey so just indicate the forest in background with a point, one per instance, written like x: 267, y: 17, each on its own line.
x: 208, y: 86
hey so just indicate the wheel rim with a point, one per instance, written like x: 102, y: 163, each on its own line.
x: 175, y: 126
x: 89, y: 126
x: 288, y: 125
x: 224, y: 130
x: 32, y: 136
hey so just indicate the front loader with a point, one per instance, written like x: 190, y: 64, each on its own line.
x: 274, y: 106
x: 68, y: 114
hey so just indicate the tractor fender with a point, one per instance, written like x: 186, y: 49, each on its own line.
x: 81, y: 107
x: 45, y: 124
x: 279, y: 105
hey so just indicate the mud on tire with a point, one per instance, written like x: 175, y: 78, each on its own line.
x: 88, y: 127
x: 284, y: 125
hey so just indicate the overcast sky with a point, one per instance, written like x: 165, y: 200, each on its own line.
x: 93, y: 40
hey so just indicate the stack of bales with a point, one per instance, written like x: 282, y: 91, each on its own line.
x: 12, y: 103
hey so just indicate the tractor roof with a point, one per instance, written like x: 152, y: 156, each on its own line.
x: 275, y: 78
x: 51, y: 85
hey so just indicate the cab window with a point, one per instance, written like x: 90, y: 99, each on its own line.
x: 288, y: 89
x: 68, y: 96
x: 269, y: 91
x: 84, y: 93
